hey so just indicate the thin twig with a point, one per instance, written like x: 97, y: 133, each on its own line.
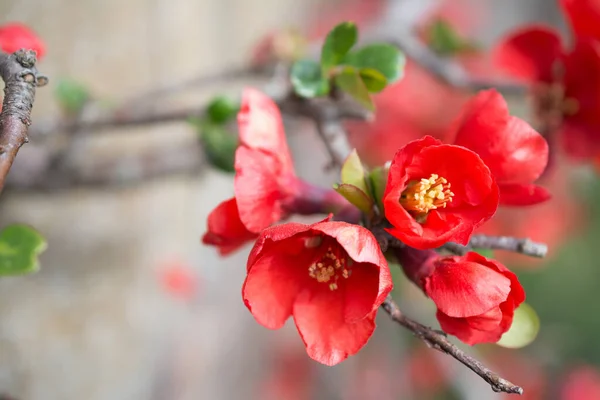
x: 516, y: 245
x: 448, y: 70
x: 20, y: 78
x: 438, y: 341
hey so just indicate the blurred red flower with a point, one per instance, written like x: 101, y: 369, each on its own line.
x: 330, y: 276
x: 565, y: 82
x: 437, y: 193
x: 179, y: 280
x: 582, y: 383
x: 15, y: 36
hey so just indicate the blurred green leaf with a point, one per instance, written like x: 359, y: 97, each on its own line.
x: 356, y: 197
x: 488, y: 253
x: 222, y: 109
x: 384, y: 58
x: 307, y: 79
x: 71, y: 95
x: 353, y: 172
x: 445, y: 40
x: 338, y: 43
x: 350, y: 81
x: 19, y: 247
x: 219, y: 144
x: 524, y: 329
x: 373, y: 79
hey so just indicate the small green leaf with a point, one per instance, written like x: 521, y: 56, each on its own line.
x: 221, y: 109
x: 488, y: 253
x: 445, y: 40
x: 385, y: 58
x: 71, y: 95
x: 349, y: 81
x: 338, y: 43
x: 373, y: 79
x: 19, y: 247
x: 219, y: 145
x: 307, y: 79
x: 353, y: 172
x: 524, y: 329
x: 378, y: 181
x: 356, y: 197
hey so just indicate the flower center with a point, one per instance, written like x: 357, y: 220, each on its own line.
x: 551, y: 104
x: 426, y: 194
x: 330, y: 267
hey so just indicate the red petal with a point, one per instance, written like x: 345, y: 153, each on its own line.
x: 465, y: 289
x: 271, y: 287
x: 329, y: 339
x: 257, y: 190
x: 225, y: 229
x: 261, y: 128
x: 461, y: 328
x: 360, y: 292
x: 530, y: 53
x: 509, y: 146
x: 583, y: 16
x: 14, y: 36
x: 362, y: 248
x: 518, y: 194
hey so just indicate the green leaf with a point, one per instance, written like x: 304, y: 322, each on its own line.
x: 219, y: 145
x: 19, y: 247
x: 338, y: 43
x: 307, y: 79
x: 373, y: 79
x: 445, y: 40
x: 356, y: 197
x: 524, y: 329
x: 385, y: 58
x: 378, y: 181
x: 71, y: 95
x: 221, y: 109
x: 353, y: 172
x: 349, y: 81
x: 488, y: 253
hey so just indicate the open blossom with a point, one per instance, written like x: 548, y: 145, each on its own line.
x: 266, y: 187
x: 330, y: 276
x: 515, y: 153
x: 15, y: 36
x: 564, y: 82
x: 438, y: 193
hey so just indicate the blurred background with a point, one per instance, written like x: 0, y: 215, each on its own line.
x: 129, y: 305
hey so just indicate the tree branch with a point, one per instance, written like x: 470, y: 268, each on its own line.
x: 516, y: 245
x: 20, y: 78
x: 438, y: 341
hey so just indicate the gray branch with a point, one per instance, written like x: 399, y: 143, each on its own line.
x: 508, y: 243
x: 438, y: 341
x: 20, y: 79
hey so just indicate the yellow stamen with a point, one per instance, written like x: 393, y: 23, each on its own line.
x: 427, y: 194
x: 329, y: 268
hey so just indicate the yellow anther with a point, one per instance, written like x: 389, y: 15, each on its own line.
x: 427, y: 194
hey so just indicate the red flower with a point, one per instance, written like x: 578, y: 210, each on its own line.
x: 438, y: 193
x: 15, y: 36
x: 476, y: 297
x: 330, y: 276
x: 514, y: 152
x: 225, y: 229
x: 564, y: 82
x: 266, y: 187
